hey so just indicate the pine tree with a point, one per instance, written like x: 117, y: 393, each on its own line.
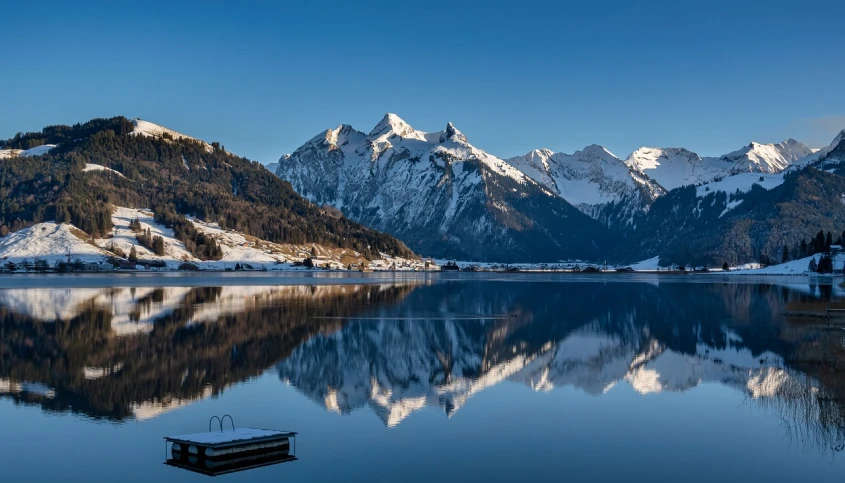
x: 158, y: 245
x: 813, y: 267
x: 818, y: 243
x: 803, y: 248
x: 725, y: 266
x: 785, y: 255
x: 828, y: 241
x: 133, y: 255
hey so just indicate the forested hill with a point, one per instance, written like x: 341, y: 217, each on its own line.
x: 174, y: 175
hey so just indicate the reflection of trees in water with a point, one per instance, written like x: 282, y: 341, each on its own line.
x: 811, y: 418
x: 175, y: 360
x: 812, y: 409
x: 198, y: 348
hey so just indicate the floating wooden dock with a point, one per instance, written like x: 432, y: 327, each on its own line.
x: 220, y: 452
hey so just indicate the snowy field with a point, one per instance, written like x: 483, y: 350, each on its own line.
x: 53, y: 243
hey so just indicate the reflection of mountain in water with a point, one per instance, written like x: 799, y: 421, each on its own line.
x: 134, y: 353
x: 137, y: 352
x: 589, y: 335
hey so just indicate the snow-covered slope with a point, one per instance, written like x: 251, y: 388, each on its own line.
x: 766, y: 158
x: 54, y: 243
x: 820, y: 155
x: 764, y: 165
x: 98, y: 167
x: 36, y: 151
x: 49, y: 242
x: 146, y: 128
x: 441, y: 195
x: 591, y: 179
x: 675, y: 167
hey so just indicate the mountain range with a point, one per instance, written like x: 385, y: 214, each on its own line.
x: 395, y: 191
x: 445, y: 197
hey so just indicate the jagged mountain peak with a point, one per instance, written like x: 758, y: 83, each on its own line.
x: 391, y: 124
x: 766, y: 158
x: 593, y: 179
x: 451, y: 133
x: 416, y: 184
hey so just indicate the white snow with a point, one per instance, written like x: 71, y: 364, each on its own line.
x: 54, y: 243
x: 99, y: 167
x: 124, y: 238
x: 50, y: 242
x: 793, y: 267
x: 647, y: 265
x: 676, y: 167
x: 36, y: 151
x: 742, y: 182
x: 588, y: 179
x: 146, y: 128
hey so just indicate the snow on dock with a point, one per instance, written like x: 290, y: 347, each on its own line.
x: 220, y: 452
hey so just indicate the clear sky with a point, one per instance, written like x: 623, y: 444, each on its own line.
x: 263, y: 78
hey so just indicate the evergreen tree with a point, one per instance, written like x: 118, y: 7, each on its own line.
x: 725, y: 266
x: 133, y: 255
x: 803, y: 249
x: 828, y: 241
x: 158, y: 245
x: 818, y: 243
x: 785, y: 255
x: 813, y: 267
x: 825, y: 264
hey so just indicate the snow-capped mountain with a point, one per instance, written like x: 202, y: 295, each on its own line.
x: 593, y: 180
x: 440, y: 194
x: 676, y: 167
x: 766, y: 158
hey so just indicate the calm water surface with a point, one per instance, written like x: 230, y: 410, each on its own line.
x: 426, y: 378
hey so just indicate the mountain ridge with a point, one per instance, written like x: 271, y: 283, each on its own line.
x: 441, y: 194
x: 107, y: 163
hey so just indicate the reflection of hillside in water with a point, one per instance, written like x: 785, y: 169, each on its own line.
x: 590, y: 336
x: 136, y: 352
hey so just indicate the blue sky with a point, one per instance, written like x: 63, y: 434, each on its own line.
x: 262, y: 78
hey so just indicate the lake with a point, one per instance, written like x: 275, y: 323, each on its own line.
x: 426, y: 377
